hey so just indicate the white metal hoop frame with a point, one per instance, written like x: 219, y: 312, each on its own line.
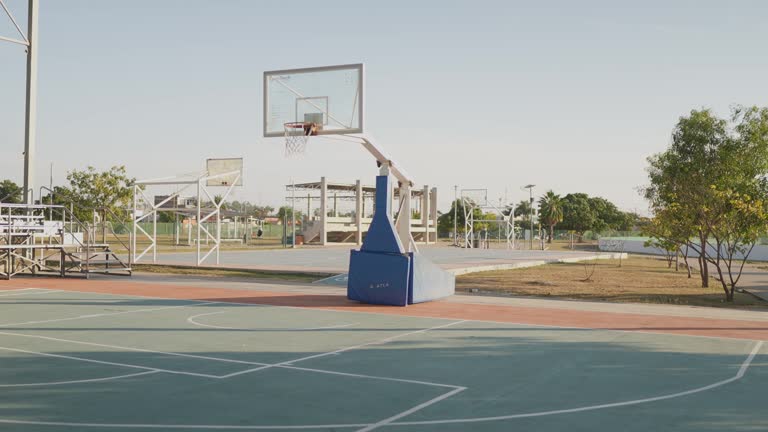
x: 296, y: 136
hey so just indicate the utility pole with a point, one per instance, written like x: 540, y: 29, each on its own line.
x: 50, y: 192
x: 498, y: 224
x: 530, y: 192
x: 28, y: 40
x: 455, y: 198
x: 30, y: 114
x: 293, y: 215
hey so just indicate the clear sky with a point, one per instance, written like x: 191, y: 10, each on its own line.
x: 570, y: 96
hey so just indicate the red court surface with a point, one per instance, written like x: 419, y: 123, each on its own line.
x: 544, y: 316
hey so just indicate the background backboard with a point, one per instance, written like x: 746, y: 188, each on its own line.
x: 222, y: 166
x: 479, y: 197
x: 331, y: 96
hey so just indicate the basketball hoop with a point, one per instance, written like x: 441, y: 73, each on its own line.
x: 296, y: 136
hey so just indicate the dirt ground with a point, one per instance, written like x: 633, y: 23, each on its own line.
x: 638, y: 280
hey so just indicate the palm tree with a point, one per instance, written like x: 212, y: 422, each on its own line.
x: 523, y: 212
x: 551, y: 211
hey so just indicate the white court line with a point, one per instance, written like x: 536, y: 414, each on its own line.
x: 197, y: 303
x: 745, y: 365
x: 263, y: 365
x: 748, y: 361
x: 191, y: 320
x: 90, y: 380
x: 410, y: 411
x: 87, y: 360
x: 739, y: 375
x: 181, y: 426
x: 26, y: 293
x: 341, y: 350
x: 373, y: 377
x: 126, y: 348
x: 508, y: 323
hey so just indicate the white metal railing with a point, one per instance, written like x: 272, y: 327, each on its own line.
x: 31, y: 233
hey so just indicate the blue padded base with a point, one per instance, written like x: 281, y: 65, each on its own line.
x: 378, y: 278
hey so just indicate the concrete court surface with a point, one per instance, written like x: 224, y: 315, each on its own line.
x: 335, y: 259
x: 213, y: 354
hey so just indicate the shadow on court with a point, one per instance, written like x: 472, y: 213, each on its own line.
x: 160, y: 365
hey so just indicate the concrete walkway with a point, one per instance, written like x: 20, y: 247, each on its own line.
x: 755, y: 280
x: 248, y: 284
x: 335, y: 259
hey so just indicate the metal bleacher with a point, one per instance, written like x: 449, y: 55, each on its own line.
x: 48, y: 240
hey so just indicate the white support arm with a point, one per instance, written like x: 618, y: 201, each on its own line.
x: 403, y: 222
x: 382, y: 158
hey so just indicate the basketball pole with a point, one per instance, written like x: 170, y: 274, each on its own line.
x: 530, y: 193
x: 29, y: 40
x: 455, y: 205
x: 30, y: 115
x: 293, y: 214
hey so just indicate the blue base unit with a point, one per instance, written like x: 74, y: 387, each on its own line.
x: 381, y: 272
x: 378, y: 278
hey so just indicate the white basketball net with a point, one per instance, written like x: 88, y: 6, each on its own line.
x: 296, y: 136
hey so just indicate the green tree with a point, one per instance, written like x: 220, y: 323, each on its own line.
x: 61, y: 196
x: 445, y: 220
x: 218, y: 199
x: 708, y: 189
x: 262, y: 212
x: 632, y: 221
x: 680, y: 178
x: 743, y: 220
x: 578, y: 214
x: 551, y: 211
x: 607, y: 215
x: 91, y: 190
x: 663, y: 239
x: 286, y: 212
x: 522, y: 214
x: 10, y: 192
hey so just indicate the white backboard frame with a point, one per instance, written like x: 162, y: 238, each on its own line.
x: 478, y: 197
x: 224, y: 171
x: 276, y: 130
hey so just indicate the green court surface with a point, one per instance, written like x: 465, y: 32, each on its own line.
x: 74, y: 361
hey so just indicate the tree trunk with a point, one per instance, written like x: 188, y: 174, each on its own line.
x: 728, y: 291
x: 685, y: 260
x: 551, y: 233
x: 703, y: 267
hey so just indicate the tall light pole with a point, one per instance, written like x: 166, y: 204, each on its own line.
x: 530, y: 192
x: 293, y: 214
x: 30, y: 113
x: 455, y: 198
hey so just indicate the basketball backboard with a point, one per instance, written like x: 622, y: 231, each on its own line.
x: 478, y: 197
x: 331, y: 97
x: 218, y: 166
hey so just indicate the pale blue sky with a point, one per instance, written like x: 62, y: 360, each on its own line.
x: 571, y: 96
